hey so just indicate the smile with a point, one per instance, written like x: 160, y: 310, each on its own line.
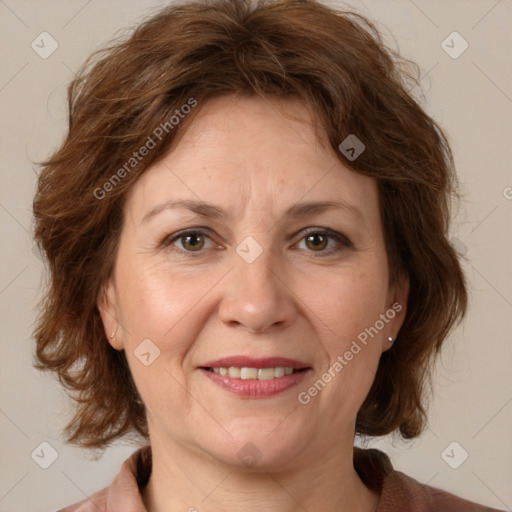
x: 246, y: 382
x: 245, y: 373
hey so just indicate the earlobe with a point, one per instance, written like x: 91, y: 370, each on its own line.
x: 107, y: 307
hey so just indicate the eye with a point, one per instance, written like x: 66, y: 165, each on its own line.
x: 322, y: 241
x: 192, y: 240
x: 317, y: 240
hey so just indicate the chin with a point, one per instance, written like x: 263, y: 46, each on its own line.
x: 259, y: 447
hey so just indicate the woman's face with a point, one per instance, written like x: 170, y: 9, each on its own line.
x: 228, y: 250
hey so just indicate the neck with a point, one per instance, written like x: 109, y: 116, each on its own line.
x: 182, y: 479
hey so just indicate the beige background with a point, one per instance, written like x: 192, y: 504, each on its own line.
x: 472, y: 98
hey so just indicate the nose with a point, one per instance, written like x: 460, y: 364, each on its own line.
x: 256, y: 296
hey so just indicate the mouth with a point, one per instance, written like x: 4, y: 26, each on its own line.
x: 249, y: 377
x: 251, y: 368
x: 248, y: 373
x: 247, y: 387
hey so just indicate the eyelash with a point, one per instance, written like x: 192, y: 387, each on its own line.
x: 340, y: 238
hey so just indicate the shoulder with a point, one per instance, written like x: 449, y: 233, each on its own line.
x: 96, y: 502
x: 123, y: 493
x: 402, y: 493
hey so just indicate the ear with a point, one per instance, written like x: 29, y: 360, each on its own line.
x: 396, y: 310
x: 107, y: 306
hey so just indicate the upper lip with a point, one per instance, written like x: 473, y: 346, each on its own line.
x: 253, y: 362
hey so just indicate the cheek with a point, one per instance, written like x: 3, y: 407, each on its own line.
x: 349, y: 302
x: 168, y: 307
x: 353, y: 347
x: 152, y: 300
x: 159, y: 307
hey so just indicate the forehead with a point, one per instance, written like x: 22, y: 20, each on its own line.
x: 242, y: 150
x: 227, y: 115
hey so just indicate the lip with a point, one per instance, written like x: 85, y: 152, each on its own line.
x: 252, y: 362
x: 256, y: 388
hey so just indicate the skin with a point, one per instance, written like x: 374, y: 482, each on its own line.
x: 245, y: 156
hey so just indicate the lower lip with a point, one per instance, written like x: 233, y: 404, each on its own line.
x: 252, y: 388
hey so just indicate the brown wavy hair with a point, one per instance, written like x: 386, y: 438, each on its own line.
x: 335, y: 62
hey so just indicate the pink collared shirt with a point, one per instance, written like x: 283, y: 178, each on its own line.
x: 398, y: 492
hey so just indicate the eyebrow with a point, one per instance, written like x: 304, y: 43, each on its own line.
x: 211, y: 211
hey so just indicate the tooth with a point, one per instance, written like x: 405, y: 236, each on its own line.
x: 266, y: 373
x: 249, y: 373
x: 246, y: 373
x: 234, y: 372
x: 278, y: 371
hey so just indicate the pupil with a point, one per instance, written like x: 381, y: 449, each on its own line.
x: 193, y: 245
x: 315, y: 239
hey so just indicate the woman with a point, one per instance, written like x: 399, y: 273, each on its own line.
x: 246, y: 235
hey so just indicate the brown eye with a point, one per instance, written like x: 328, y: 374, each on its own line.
x: 317, y: 241
x: 189, y: 241
x: 192, y: 241
x: 324, y: 242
